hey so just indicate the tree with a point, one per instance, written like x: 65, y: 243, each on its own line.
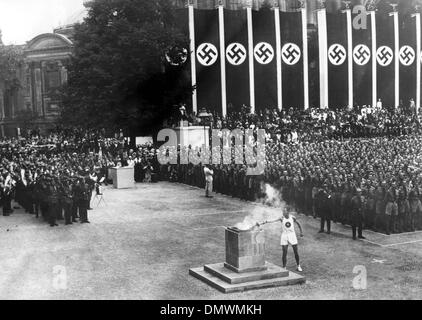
x: 119, y: 76
x: 10, y: 62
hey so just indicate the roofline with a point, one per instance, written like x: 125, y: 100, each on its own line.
x: 44, y: 35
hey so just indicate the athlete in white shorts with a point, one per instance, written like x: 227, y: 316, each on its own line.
x: 288, y: 236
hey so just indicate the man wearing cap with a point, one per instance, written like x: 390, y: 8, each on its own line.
x: 356, y: 214
x: 323, y: 208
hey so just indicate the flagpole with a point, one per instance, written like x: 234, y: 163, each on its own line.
x: 251, y: 58
x: 395, y: 16
x: 323, y: 58
x: 305, y: 55
x: 417, y: 17
x: 374, y: 57
x: 222, y: 58
x: 278, y: 56
x: 349, y: 55
x: 192, y: 55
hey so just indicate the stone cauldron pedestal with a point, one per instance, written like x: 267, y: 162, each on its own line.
x: 245, y: 267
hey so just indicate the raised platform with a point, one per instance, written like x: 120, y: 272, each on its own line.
x: 226, y: 280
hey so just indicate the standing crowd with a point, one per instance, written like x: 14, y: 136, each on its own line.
x: 54, y: 177
x: 361, y: 167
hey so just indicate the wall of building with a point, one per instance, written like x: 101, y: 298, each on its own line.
x: 35, y: 104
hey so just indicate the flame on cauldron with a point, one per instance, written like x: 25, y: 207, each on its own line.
x: 272, y: 198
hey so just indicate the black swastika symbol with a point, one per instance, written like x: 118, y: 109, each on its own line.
x: 207, y: 54
x: 236, y: 53
x: 407, y: 56
x: 337, y: 54
x: 362, y: 54
x: 385, y: 56
x: 291, y: 53
x: 264, y: 53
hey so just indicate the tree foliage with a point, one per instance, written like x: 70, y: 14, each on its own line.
x: 119, y: 76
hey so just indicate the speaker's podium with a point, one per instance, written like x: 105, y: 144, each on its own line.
x: 123, y: 177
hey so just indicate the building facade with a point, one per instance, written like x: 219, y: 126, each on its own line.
x: 34, y: 104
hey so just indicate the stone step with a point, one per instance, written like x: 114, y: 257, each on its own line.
x: 220, y: 271
x: 225, y: 287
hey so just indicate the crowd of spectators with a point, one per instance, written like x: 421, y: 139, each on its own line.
x: 320, y: 159
x: 56, y: 175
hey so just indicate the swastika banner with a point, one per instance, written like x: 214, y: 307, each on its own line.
x: 385, y: 59
x: 208, y: 73
x: 362, y: 64
x: 337, y: 60
x: 292, y: 59
x: 237, y: 66
x: 407, y: 59
x: 265, y: 64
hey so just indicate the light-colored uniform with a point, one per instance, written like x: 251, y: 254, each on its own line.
x: 288, y: 233
x: 208, y: 180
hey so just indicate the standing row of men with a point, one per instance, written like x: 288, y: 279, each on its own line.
x: 391, y: 211
x: 55, y: 196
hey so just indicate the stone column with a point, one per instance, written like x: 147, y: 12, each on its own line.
x: 43, y: 86
x: 38, y: 91
x: 1, y: 104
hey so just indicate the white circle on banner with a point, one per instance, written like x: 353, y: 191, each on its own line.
x: 291, y: 53
x: 337, y: 54
x: 207, y: 54
x: 384, y: 56
x: 407, y: 55
x: 263, y: 53
x: 361, y: 54
x: 236, y: 54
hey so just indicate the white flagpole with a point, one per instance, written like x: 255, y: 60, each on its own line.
x: 305, y: 56
x: 417, y: 16
x: 222, y: 59
x: 278, y: 57
x: 349, y: 56
x: 192, y: 56
x: 251, y: 59
x: 323, y: 57
x: 395, y: 16
x: 374, y: 57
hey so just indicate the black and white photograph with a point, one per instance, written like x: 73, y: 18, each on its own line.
x: 238, y: 151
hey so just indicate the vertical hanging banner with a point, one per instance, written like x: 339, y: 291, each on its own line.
x: 362, y: 60
x: 265, y: 58
x: 337, y: 60
x: 408, y: 59
x: 292, y: 59
x: 385, y: 59
x: 237, y: 67
x: 208, y: 73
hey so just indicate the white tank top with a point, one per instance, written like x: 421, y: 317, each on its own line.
x: 288, y: 224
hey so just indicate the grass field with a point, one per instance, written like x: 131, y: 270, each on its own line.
x: 142, y: 242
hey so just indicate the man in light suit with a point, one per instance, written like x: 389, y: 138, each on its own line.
x: 208, y: 172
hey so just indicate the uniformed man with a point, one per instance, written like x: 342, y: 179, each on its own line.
x: 85, y: 197
x: 53, y: 202
x: 323, y: 209
x: 356, y: 214
x: 67, y: 197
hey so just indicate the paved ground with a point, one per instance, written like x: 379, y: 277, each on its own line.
x: 143, y: 242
